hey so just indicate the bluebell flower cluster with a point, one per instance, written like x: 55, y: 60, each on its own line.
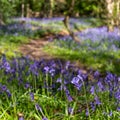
x: 92, y: 39
x: 57, y: 77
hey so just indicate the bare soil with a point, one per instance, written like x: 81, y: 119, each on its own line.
x: 34, y: 49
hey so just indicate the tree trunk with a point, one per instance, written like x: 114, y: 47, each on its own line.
x: 1, y: 20
x: 113, y: 13
x: 66, y: 22
x: 110, y: 16
x: 23, y: 13
x: 51, y: 4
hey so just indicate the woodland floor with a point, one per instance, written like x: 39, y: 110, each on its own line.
x: 35, y: 50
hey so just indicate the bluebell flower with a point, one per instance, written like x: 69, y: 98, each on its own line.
x: 97, y: 101
x: 6, y: 66
x: 87, y: 112
x: 46, y: 69
x: 93, y: 106
x: 111, y: 113
x: 67, y: 65
x: 4, y: 88
x: 52, y: 71
x: 59, y: 80
x: 34, y: 69
x: 70, y: 110
x: 32, y: 96
x: 100, y: 85
x: 68, y: 96
x: 21, y: 118
x: 117, y: 94
x: 77, y: 81
x: 27, y: 85
x: 44, y: 118
x: 8, y: 93
x: 96, y: 74
x: 118, y: 109
x: 92, y: 90
x: 38, y: 107
x: 110, y: 77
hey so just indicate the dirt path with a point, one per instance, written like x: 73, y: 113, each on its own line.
x: 34, y: 49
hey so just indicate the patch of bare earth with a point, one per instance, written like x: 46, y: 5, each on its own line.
x: 34, y: 49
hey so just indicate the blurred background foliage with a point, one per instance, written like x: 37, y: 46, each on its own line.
x: 54, y: 8
x: 87, y: 8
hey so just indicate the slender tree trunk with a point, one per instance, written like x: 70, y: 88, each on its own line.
x: 118, y: 15
x: 66, y: 22
x: 23, y: 12
x: 1, y: 20
x: 51, y: 2
x: 110, y: 16
x: 46, y: 8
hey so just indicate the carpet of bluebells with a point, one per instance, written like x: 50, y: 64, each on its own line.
x: 57, y: 89
x: 99, y: 38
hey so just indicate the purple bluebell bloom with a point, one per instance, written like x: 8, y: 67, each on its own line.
x: 32, y: 96
x: 93, y: 106
x: 34, y: 68
x: 92, y: 90
x: 59, y: 80
x: 21, y: 118
x: 8, y: 93
x: 100, y: 85
x: 52, y: 71
x: 38, y: 107
x: 44, y: 118
x: 97, y: 101
x: 4, y: 88
x: 27, y: 85
x: 70, y: 110
x: 96, y: 74
x: 68, y: 96
x: 77, y: 81
x: 87, y: 112
x: 111, y: 113
x: 46, y: 69
x: 118, y: 109
x: 117, y: 94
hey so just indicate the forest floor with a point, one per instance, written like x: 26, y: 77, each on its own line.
x: 35, y: 50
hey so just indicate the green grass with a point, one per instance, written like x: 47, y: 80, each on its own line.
x: 9, y: 44
x: 101, y: 60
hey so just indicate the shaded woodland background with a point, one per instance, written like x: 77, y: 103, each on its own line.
x: 107, y: 10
